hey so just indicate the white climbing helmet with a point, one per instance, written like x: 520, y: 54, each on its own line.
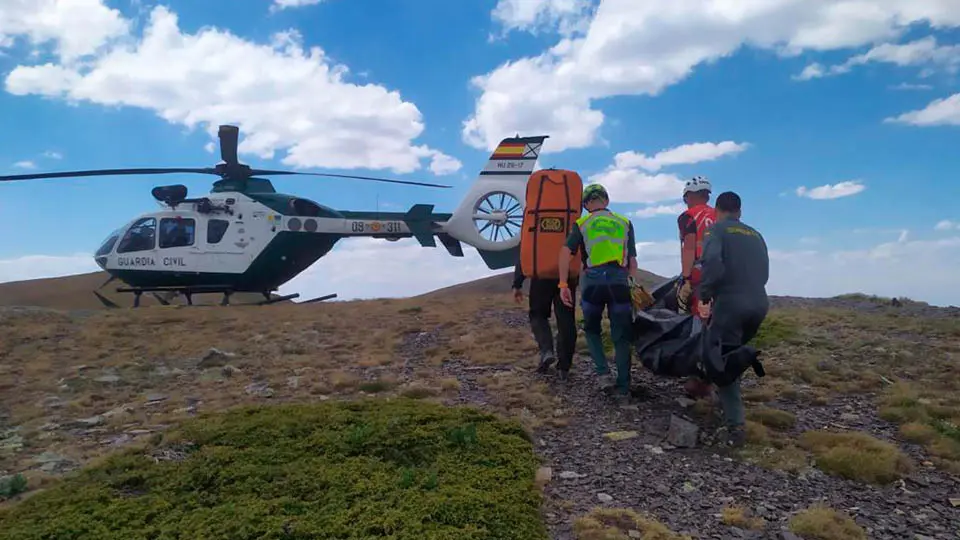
x: 697, y: 183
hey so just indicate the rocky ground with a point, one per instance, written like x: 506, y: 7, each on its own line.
x: 620, y: 456
x: 596, y: 453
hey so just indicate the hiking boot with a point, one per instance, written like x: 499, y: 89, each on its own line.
x: 546, y: 360
x: 606, y: 382
x: 564, y: 375
x: 698, y: 389
x: 736, y: 437
x: 622, y: 400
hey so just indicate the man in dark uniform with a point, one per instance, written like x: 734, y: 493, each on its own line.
x: 733, y: 295
x: 544, y: 294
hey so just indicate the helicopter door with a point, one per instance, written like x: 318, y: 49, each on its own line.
x: 177, y: 244
x: 221, y: 236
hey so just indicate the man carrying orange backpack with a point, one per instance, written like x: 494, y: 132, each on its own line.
x: 544, y: 298
x: 553, y: 203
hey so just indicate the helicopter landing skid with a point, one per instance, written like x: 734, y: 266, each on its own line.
x: 189, y: 291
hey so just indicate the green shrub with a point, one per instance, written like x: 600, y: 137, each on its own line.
x: 775, y: 329
x: 11, y: 486
x: 857, y: 456
x: 403, y: 469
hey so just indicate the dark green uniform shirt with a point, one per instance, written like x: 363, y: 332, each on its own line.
x: 735, y: 261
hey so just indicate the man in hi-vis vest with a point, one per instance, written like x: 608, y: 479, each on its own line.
x: 607, y: 243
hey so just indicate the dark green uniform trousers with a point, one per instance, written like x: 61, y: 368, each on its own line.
x: 608, y: 287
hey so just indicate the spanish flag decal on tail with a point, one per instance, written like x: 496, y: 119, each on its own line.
x: 509, y: 150
x: 514, y: 156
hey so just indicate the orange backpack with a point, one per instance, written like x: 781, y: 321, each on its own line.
x: 553, y: 205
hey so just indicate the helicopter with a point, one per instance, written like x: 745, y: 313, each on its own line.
x: 245, y: 237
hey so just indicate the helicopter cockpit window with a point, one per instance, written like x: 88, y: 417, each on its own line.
x: 108, y: 244
x: 141, y: 236
x: 303, y: 207
x: 176, y: 232
x: 216, y: 228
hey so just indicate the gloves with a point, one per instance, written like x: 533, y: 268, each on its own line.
x: 684, y: 292
x: 639, y: 297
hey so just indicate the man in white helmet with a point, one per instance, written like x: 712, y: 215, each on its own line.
x: 693, y: 223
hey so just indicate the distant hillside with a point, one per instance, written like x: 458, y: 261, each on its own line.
x: 76, y: 292
x: 501, y: 283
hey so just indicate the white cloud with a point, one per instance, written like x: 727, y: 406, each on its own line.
x: 441, y: 164
x: 807, y: 272
x: 626, y: 183
x: 397, y: 270
x: 920, y: 52
x: 283, y: 96
x: 568, y: 16
x: 681, y: 155
x: 45, y: 266
x: 660, y: 210
x: 812, y: 71
x: 947, y: 225
x: 640, y: 48
x: 813, y: 273
x: 284, y: 4
x: 912, y: 86
x: 835, y: 191
x: 939, y: 112
x: 50, y: 154
x: 25, y: 164
x: 635, y: 186
x: 76, y: 27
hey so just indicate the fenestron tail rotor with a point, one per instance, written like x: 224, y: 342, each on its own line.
x: 230, y: 168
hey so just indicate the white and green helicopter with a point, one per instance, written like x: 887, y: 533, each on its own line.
x: 243, y: 236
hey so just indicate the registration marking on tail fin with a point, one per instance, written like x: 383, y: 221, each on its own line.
x: 515, y: 156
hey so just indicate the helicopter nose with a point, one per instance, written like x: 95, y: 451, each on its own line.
x: 101, y: 262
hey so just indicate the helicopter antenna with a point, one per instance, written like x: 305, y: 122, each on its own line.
x: 229, y: 168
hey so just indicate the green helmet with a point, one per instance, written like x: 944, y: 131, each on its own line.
x: 594, y: 191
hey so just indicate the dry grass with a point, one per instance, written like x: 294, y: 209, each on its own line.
x: 822, y: 523
x: 618, y: 524
x: 857, y: 456
x: 737, y: 516
x: 772, y: 418
x: 929, y: 417
x: 813, y: 356
x: 50, y: 363
x: 66, y: 367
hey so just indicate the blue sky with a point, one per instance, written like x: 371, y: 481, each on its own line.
x: 864, y: 105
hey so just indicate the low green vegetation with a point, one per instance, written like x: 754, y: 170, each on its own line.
x: 856, y: 456
x: 738, y: 516
x: 11, y: 486
x: 822, y: 523
x: 403, y: 469
x: 772, y: 418
x: 776, y: 328
x: 930, y: 418
x: 621, y: 524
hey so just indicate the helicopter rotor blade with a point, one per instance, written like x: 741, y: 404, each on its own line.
x: 265, y: 172
x: 229, y: 141
x: 104, y: 172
